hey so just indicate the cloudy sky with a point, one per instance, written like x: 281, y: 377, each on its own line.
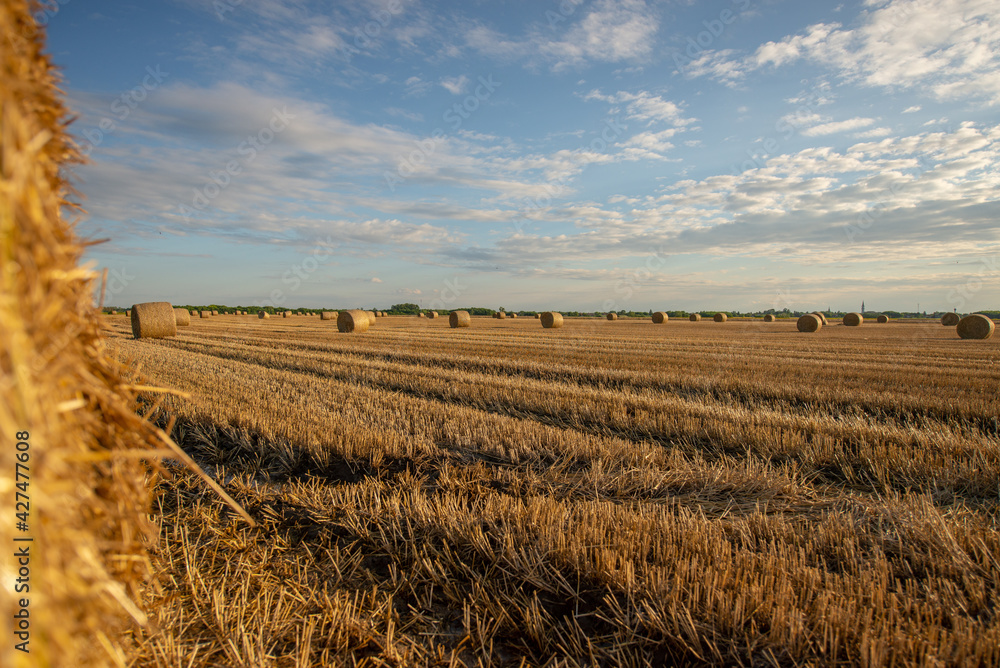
x: 573, y: 154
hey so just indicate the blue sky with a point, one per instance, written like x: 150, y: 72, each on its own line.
x: 573, y: 154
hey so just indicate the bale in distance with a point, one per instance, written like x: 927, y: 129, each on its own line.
x: 263, y: 314
x: 695, y: 317
x: 538, y: 316
x: 853, y: 319
x: 950, y: 319
x: 822, y: 317
x: 377, y: 314
x: 215, y: 313
x: 328, y: 315
x: 204, y: 314
x: 432, y: 315
x: 420, y: 314
x: 551, y: 320
x: 459, y: 319
x: 182, y: 317
x: 769, y: 317
x: 720, y: 317
x: 371, y: 317
x: 513, y: 315
x: 286, y: 314
x: 383, y: 314
x: 112, y: 312
x: 153, y: 320
x: 660, y: 317
x: 976, y: 326
x: 501, y: 315
x: 882, y: 319
x: 611, y: 315
x: 355, y: 320
x: 128, y: 312
x: 810, y: 322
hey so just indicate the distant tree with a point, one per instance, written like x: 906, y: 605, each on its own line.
x: 405, y: 309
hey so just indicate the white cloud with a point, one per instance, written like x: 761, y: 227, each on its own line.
x: 950, y: 48
x: 455, y: 85
x: 610, y: 31
x: 645, y: 107
x: 874, y: 132
x: 911, y: 110
x: 376, y: 279
x: 834, y: 127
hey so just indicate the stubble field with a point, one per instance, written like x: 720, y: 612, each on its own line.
x: 609, y: 493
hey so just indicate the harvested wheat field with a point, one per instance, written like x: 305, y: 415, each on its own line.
x: 621, y: 493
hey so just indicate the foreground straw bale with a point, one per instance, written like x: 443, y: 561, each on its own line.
x: 63, y: 407
x: 720, y: 317
x: 769, y: 318
x: 853, y: 319
x: 355, y: 321
x: 611, y: 316
x: 153, y: 320
x: 551, y: 320
x: 263, y: 315
x: 695, y: 317
x: 976, y: 326
x: 660, y: 317
x: 182, y: 317
x: 950, y: 319
x: 810, y: 322
x: 459, y: 319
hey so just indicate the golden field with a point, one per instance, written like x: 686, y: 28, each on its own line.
x: 609, y: 493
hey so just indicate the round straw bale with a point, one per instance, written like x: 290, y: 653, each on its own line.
x: 810, y: 322
x: 769, y: 317
x: 263, y: 314
x: 611, y: 315
x: 720, y: 317
x: 538, y: 316
x: 459, y: 319
x: 128, y: 312
x: 204, y: 314
x: 371, y: 317
x: 501, y: 315
x: 976, y: 326
x: 432, y: 315
x: 328, y: 315
x: 513, y: 315
x: 377, y: 314
x: 822, y: 317
x: 182, y: 317
x: 383, y: 314
x: 695, y: 317
x: 353, y: 321
x: 153, y: 320
x: 551, y: 320
x: 853, y: 319
x: 882, y: 319
x: 215, y: 313
x: 420, y: 314
x: 950, y: 319
x: 660, y: 317
x: 286, y: 314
